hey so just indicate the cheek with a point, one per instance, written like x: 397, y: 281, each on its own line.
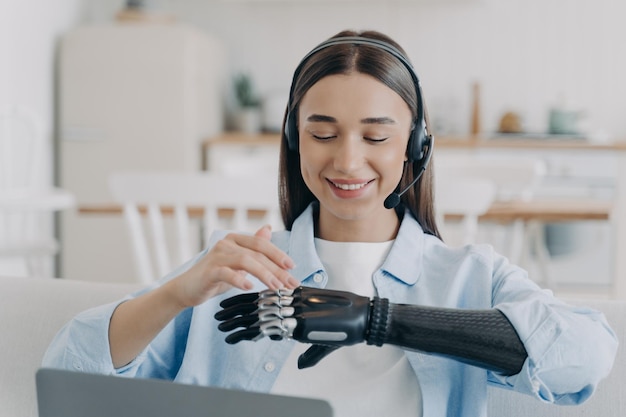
x: 309, y: 169
x: 392, y: 166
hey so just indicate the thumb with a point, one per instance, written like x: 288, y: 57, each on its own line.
x: 264, y: 232
x: 314, y: 354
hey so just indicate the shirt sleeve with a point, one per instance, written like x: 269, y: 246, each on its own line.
x: 83, y: 343
x: 570, y: 349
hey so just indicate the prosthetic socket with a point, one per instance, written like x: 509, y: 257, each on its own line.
x: 330, y: 319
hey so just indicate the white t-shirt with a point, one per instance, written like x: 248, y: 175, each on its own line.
x: 358, y: 380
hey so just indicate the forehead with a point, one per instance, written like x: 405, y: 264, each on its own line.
x: 353, y: 93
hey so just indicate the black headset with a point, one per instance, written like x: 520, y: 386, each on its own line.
x: 420, y: 143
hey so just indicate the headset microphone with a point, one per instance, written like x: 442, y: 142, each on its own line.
x: 393, y: 199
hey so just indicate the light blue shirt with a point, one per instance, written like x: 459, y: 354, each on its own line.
x: 570, y: 349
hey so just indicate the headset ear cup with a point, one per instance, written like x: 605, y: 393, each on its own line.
x: 291, y: 131
x: 416, y: 145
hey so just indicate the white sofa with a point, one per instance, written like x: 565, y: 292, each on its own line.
x: 32, y: 310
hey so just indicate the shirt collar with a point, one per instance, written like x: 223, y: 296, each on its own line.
x: 302, y: 245
x: 404, y: 261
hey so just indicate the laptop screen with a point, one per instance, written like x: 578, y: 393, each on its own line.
x: 63, y: 393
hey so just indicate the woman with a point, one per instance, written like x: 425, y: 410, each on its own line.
x: 355, y: 142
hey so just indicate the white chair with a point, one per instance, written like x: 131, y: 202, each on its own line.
x: 515, y: 178
x: 27, y: 243
x: 465, y: 199
x: 181, y: 191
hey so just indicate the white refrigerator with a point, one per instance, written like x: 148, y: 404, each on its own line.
x: 138, y: 96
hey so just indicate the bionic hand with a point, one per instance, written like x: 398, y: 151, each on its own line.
x: 330, y: 319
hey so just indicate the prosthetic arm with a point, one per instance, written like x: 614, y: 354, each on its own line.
x: 330, y: 319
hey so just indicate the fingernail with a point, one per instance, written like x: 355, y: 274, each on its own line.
x: 289, y: 264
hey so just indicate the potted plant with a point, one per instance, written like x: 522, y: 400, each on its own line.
x: 248, y: 117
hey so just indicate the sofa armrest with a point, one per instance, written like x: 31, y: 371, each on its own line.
x: 32, y: 310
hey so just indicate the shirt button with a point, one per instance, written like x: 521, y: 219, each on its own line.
x: 318, y: 278
x: 269, y: 366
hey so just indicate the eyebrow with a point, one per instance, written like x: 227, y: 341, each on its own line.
x: 378, y: 121
x: 367, y: 120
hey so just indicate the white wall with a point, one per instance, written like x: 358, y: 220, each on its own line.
x: 28, y: 33
x: 525, y: 53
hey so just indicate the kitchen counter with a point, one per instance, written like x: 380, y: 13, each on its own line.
x: 559, y: 210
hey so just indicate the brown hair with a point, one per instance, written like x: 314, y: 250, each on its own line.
x: 295, y: 196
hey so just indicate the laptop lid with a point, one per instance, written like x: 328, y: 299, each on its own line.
x: 63, y: 393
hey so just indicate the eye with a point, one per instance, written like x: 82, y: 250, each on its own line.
x: 375, y: 139
x: 323, y: 137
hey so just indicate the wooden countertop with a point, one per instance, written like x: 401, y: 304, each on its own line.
x: 451, y: 142
x: 556, y: 210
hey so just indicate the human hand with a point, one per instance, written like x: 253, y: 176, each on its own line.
x: 228, y: 263
x: 329, y: 319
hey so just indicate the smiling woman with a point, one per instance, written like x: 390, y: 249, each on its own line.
x: 400, y: 323
x: 352, y: 155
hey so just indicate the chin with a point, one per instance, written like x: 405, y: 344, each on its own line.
x: 355, y: 210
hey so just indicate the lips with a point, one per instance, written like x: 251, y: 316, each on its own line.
x: 349, y: 188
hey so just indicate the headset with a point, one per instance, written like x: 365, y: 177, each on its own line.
x: 420, y: 144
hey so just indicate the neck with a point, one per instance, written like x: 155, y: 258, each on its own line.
x: 381, y: 229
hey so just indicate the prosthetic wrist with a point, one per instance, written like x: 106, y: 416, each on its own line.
x: 331, y: 319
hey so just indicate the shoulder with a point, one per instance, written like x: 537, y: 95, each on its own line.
x: 472, y: 267
x: 435, y: 248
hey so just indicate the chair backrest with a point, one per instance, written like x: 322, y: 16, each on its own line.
x: 22, y: 149
x: 26, y: 200
x: 514, y: 177
x: 465, y: 199
x: 207, y: 195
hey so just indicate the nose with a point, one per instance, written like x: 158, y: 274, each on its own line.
x: 348, y: 156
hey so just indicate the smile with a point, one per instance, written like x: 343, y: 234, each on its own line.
x: 350, y: 187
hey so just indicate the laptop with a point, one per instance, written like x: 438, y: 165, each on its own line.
x: 62, y: 393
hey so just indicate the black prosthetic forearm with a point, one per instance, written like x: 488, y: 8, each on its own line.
x: 330, y: 319
x: 483, y: 338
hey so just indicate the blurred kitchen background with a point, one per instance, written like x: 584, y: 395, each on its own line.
x: 151, y: 84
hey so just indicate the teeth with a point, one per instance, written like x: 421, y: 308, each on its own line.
x: 350, y: 186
